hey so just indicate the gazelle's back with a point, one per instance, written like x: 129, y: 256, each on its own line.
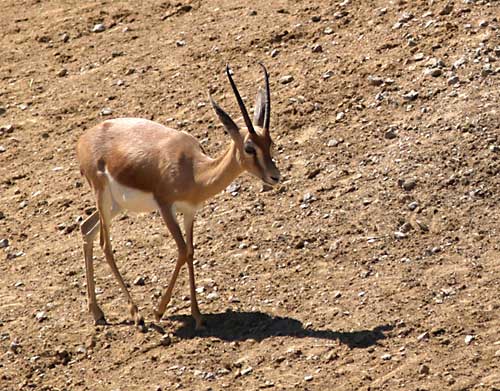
x: 134, y: 151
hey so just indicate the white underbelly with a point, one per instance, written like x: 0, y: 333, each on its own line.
x: 138, y: 201
x: 185, y: 208
x: 130, y: 199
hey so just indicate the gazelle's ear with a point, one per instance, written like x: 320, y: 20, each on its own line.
x: 260, y: 108
x: 226, y: 120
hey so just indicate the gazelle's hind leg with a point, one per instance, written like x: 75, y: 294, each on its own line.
x: 89, y: 228
x: 105, y: 207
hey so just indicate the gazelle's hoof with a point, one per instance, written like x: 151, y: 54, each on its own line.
x: 158, y: 315
x: 200, y: 325
x: 139, y: 322
x: 100, y: 321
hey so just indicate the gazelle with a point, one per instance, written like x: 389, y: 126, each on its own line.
x: 138, y: 165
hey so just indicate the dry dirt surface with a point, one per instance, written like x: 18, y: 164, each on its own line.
x: 374, y: 265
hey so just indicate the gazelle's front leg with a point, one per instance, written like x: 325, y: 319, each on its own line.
x: 183, y: 255
x: 195, y: 311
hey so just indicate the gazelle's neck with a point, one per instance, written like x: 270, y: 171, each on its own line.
x: 216, y: 174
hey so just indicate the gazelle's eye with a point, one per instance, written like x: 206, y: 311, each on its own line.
x: 249, y: 148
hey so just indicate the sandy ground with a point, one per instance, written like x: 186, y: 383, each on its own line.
x: 375, y: 265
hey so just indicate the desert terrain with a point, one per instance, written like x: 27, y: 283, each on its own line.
x: 373, y: 265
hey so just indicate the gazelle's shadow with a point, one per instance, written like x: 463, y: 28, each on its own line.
x: 240, y: 326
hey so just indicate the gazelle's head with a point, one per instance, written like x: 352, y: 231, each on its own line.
x: 253, y: 142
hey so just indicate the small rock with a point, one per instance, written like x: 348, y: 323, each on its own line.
x: 405, y: 228
x: 408, y: 184
x: 340, y: 14
x: 165, y: 340
x: 2, y: 149
x: 424, y: 370
x: 246, y: 371
x: 386, y: 357
x: 375, y: 80
x: 406, y: 17
x: 65, y: 37
x: 411, y: 96
x: 435, y: 63
x: 316, y: 18
x: 308, y: 197
x: 41, y: 316
x: 317, y: 48
x: 486, y: 70
x: 400, y: 235
x: 436, y: 250
x: 333, y: 142
x: 98, y: 28
x: 483, y: 23
x: 63, y: 355
x: 252, y: 13
x: 447, y: 9
x: 274, y: 52
x: 180, y: 43
x: 419, y: 56
x: 413, y: 205
x: 286, y: 79
x: 313, y: 173
x: 266, y: 187
x: 434, y: 72
x: 453, y: 80
x: 327, y: 75
x: 308, y: 377
x: 423, y: 226
x: 412, y: 42
x: 469, y: 339
x: 337, y: 294
x: 63, y: 72
x: 106, y: 111
x: 437, y: 331
x: 140, y: 281
x: 494, y: 148
x: 15, y: 346
x: 328, y: 31
x: 423, y: 336
x: 233, y: 188
x: 4, y: 243
x: 340, y: 116
x: 457, y: 64
x: 7, y: 128
x: 390, y: 134
x: 212, y: 296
